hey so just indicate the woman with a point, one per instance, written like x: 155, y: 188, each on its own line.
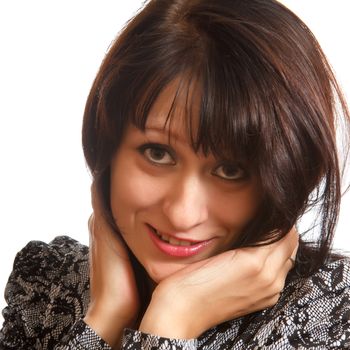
x: 209, y: 131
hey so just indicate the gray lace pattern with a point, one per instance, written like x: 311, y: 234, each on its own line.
x: 48, y: 295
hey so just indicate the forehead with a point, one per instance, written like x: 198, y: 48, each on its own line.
x: 201, y: 114
x: 176, y: 109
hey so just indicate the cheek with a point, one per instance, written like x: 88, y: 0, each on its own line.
x: 133, y: 190
x: 238, y: 208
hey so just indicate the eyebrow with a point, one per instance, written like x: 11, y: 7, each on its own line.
x: 166, y: 131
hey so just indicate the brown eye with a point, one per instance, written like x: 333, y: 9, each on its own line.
x: 230, y: 172
x: 157, y: 154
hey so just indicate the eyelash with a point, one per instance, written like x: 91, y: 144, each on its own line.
x: 243, y: 176
x: 158, y: 147
x: 168, y: 151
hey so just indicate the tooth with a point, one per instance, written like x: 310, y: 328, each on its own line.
x: 161, y: 236
x: 165, y: 237
x: 174, y: 241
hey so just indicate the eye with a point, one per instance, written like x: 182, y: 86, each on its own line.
x: 158, y: 154
x: 232, y: 172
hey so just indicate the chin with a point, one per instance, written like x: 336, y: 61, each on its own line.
x: 160, y: 271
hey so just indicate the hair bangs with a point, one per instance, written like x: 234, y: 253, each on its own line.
x: 230, y: 99
x: 258, y: 90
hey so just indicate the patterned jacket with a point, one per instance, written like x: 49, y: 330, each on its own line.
x: 48, y: 295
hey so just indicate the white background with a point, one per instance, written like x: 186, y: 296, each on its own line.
x: 49, y: 54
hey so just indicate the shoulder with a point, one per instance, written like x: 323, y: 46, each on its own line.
x: 56, y: 250
x: 46, y: 262
x: 332, y: 280
x: 41, y: 267
x: 315, y: 310
x: 323, y: 294
x: 48, y: 289
x: 312, y: 313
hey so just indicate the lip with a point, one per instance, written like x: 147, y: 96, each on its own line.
x: 175, y: 250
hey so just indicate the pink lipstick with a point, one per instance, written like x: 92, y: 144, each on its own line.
x: 176, y: 247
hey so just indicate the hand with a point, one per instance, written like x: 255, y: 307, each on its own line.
x: 114, y: 300
x: 227, y: 286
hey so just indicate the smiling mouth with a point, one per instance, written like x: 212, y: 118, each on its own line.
x: 176, y: 247
x: 172, y: 240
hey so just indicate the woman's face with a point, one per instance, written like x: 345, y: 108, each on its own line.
x: 174, y: 206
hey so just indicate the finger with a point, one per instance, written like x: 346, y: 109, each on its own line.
x: 260, y: 304
x: 283, y: 250
x: 106, y: 239
x: 290, y: 241
x: 293, y: 243
x: 295, y: 252
x: 95, y: 200
x: 292, y: 261
x: 91, y: 223
x: 268, y: 302
x: 281, y: 276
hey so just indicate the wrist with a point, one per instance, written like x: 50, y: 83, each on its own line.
x: 107, y: 324
x: 169, y: 319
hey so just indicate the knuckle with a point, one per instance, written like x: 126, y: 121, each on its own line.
x: 277, y: 286
x: 256, y: 266
x: 267, y: 278
x: 276, y: 298
x: 91, y: 222
x: 273, y: 300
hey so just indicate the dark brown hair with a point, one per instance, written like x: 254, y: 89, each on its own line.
x: 268, y: 98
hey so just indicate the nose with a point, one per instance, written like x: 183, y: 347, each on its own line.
x: 186, y: 205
